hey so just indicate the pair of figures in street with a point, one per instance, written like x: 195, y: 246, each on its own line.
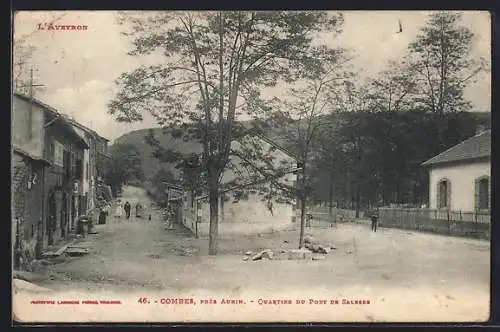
x: 127, y: 207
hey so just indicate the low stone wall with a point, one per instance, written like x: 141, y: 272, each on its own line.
x: 228, y: 230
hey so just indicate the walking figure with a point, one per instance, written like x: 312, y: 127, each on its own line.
x: 127, y: 209
x: 374, y: 221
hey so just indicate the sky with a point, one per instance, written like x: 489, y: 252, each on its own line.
x: 78, y: 67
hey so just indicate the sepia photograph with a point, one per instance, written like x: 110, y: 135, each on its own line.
x: 251, y: 166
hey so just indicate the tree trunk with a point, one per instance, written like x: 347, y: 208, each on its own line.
x: 358, y: 199
x: 302, y: 221
x: 221, y: 198
x: 214, y: 220
x: 330, y: 206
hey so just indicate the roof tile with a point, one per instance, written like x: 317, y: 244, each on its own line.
x: 478, y: 146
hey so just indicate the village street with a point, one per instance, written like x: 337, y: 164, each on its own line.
x: 418, y: 275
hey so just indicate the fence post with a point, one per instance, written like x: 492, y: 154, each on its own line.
x: 449, y: 222
x: 475, y: 221
x: 198, y: 218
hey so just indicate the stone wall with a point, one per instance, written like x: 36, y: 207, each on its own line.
x: 27, y: 205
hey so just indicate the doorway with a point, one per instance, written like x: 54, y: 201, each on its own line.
x: 52, y: 218
x: 64, y: 215
x: 73, y: 212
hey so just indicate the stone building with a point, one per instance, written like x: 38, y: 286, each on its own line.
x: 63, y: 182
x: 93, y: 165
x: 28, y: 169
x: 45, y: 199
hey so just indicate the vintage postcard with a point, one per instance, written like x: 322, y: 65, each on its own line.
x: 251, y: 167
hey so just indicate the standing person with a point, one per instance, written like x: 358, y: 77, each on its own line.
x: 127, y: 209
x: 374, y: 220
x: 103, y: 212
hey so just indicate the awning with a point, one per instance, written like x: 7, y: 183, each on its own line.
x: 30, y: 156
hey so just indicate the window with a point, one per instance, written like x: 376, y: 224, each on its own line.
x: 58, y: 153
x: 67, y: 163
x: 78, y: 173
x: 443, y: 194
x: 482, y: 193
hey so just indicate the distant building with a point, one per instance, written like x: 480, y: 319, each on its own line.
x: 93, y: 165
x: 243, y: 206
x: 459, y: 178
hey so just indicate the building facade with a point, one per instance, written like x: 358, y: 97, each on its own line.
x: 249, y: 202
x: 93, y: 167
x: 28, y: 168
x: 459, y: 178
x: 63, y: 182
x: 43, y: 137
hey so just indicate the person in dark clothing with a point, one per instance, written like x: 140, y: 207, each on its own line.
x: 103, y: 213
x: 127, y: 209
x: 374, y: 221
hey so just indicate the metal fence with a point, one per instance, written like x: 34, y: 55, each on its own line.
x: 475, y: 224
x: 459, y: 223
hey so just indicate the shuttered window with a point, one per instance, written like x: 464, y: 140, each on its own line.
x: 443, y: 192
x: 482, y: 193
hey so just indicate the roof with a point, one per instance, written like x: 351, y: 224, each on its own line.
x: 26, y: 154
x: 249, y: 183
x: 254, y: 128
x: 87, y: 129
x: 64, y: 120
x: 277, y: 146
x: 474, y: 148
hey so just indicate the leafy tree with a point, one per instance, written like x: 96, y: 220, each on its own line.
x: 443, y: 66
x: 309, y: 106
x: 392, y: 89
x: 213, y: 59
x: 123, y: 166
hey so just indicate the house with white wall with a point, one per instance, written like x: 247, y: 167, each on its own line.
x: 252, y: 198
x: 459, y: 178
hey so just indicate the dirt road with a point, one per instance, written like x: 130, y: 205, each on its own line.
x: 409, y: 276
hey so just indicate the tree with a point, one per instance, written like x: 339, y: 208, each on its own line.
x: 443, y: 66
x: 123, y: 166
x: 309, y: 106
x: 392, y: 89
x: 211, y: 60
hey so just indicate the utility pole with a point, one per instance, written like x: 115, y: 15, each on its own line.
x: 32, y: 85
